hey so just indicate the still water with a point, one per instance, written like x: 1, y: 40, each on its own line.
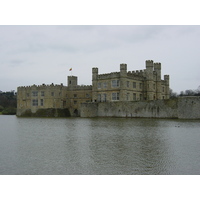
x: 98, y: 146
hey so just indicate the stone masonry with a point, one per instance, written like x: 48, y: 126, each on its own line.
x: 122, y: 86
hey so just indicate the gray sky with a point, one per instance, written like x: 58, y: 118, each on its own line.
x: 44, y: 54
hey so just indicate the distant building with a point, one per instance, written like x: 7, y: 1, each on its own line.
x: 137, y: 85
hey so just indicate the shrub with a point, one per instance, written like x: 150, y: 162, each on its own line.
x: 1, y: 108
x: 9, y: 111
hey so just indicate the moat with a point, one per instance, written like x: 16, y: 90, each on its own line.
x: 99, y: 146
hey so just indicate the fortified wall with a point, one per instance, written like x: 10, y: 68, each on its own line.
x: 139, y: 93
x: 177, y: 108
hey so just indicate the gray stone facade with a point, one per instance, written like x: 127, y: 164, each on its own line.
x: 130, y: 86
x: 177, y: 108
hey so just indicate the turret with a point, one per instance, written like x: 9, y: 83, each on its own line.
x: 123, y: 82
x: 72, y: 81
x: 94, y: 73
x: 149, y: 80
x: 157, y: 69
x: 149, y: 69
x: 166, y: 78
x: 158, y: 88
x: 123, y: 69
x: 94, y: 83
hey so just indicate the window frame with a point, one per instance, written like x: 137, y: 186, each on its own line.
x: 115, y: 96
x: 115, y: 83
x: 34, y: 102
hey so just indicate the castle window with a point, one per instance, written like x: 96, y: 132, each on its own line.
x: 127, y: 83
x: 154, y: 86
x: 75, y: 102
x: 163, y: 89
x: 87, y: 95
x: 127, y: 96
x: 115, y: 96
x: 115, y: 83
x: 140, y: 85
x: 134, y: 96
x: 42, y: 102
x: 141, y: 97
x: 27, y: 94
x: 99, y: 97
x: 34, y: 102
x: 99, y: 85
x: 104, y: 85
x: 104, y: 97
x: 34, y: 93
x: 52, y: 94
x: 75, y: 95
x: 163, y: 97
x: 134, y: 84
x: 42, y: 93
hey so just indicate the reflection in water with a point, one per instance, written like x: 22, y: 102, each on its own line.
x: 98, y: 146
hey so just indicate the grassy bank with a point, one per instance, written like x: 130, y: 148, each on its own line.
x: 8, y: 111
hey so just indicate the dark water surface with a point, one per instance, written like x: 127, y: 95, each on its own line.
x: 98, y: 146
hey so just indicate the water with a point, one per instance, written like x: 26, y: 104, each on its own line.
x: 98, y: 146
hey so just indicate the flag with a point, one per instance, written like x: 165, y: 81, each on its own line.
x: 70, y: 69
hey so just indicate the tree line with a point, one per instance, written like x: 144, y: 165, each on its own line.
x: 185, y: 93
x: 8, y: 103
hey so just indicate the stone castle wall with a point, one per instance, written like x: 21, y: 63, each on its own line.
x: 116, y: 88
x: 178, y: 108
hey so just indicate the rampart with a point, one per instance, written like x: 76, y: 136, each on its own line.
x: 177, y: 108
x: 110, y: 75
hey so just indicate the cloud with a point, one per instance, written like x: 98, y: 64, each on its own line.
x: 38, y: 54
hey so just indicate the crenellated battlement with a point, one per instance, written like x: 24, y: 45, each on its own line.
x: 43, y: 86
x: 136, y: 73
x: 166, y: 77
x: 157, y: 66
x: 80, y: 87
x: 109, y: 75
x: 149, y: 63
x: 94, y: 70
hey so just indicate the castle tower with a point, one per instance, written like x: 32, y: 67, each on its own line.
x: 149, y: 80
x: 166, y: 79
x: 72, y: 81
x: 123, y: 78
x: 157, y: 69
x: 123, y: 69
x: 94, y: 83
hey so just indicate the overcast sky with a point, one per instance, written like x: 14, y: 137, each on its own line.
x: 44, y: 54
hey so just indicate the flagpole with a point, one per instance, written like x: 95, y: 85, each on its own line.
x: 71, y: 71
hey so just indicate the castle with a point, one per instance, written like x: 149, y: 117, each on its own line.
x: 143, y: 85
